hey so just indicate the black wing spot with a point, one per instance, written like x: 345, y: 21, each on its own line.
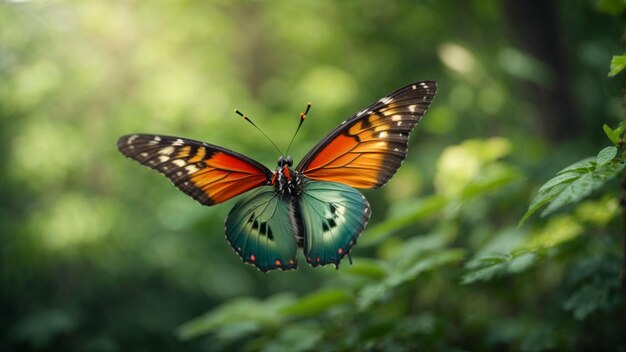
x: 209, y: 153
x: 366, y: 123
x: 355, y: 136
x: 329, y: 222
x: 193, y: 150
x: 263, y: 228
x: 270, y: 235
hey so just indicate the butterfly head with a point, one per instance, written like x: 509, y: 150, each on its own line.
x: 285, y: 161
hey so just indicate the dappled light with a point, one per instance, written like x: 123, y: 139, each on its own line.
x: 457, y: 58
x: 462, y: 164
x: 72, y: 222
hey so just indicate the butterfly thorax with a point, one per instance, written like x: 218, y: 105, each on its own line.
x: 286, y: 181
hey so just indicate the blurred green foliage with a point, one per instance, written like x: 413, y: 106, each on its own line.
x: 99, y: 254
x: 581, y: 179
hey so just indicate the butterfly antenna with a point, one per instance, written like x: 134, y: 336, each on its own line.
x: 257, y: 127
x: 302, y: 118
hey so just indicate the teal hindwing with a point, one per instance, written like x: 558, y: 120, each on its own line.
x: 333, y: 216
x: 261, y: 228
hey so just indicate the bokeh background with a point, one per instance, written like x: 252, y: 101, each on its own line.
x: 101, y: 254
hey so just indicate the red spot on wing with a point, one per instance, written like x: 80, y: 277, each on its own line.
x: 252, y: 258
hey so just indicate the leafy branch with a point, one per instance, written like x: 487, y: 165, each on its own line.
x: 581, y: 179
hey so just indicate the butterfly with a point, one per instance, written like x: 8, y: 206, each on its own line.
x: 315, y: 205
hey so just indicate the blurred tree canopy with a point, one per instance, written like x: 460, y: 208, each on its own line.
x: 99, y: 254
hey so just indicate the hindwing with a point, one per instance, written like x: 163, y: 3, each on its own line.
x: 262, y: 229
x: 333, y: 217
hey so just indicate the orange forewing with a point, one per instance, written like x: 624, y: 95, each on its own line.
x: 226, y: 177
x: 366, y: 150
x: 208, y: 173
x: 345, y: 160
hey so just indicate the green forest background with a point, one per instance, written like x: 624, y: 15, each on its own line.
x: 100, y: 254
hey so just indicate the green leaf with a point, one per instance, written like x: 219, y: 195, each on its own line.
x: 378, y: 291
x: 365, y: 267
x: 610, y: 133
x: 614, y: 135
x: 500, y: 176
x: 427, y: 263
x: 605, y: 155
x: 588, y: 299
x: 300, y: 337
x: 544, y: 197
x: 317, y: 302
x: 558, y: 179
x: 579, y: 166
x: 421, y: 209
x: 574, y: 183
x: 412, y: 249
x: 573, y: 192
x: 618, y: 63
x: 489, y: 267
x: 239, y: 316
x: 483, y: 274
x: 619, y: 130
x: 593, y: 287
x: 584, y: 186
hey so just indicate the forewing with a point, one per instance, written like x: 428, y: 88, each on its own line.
x: 208, y: 173
x: 366, y: 150
x: 262, y: 229
x: 333, y: 217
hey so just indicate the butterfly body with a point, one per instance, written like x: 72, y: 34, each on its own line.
x: 313, y: 206
x: 286, y: 181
